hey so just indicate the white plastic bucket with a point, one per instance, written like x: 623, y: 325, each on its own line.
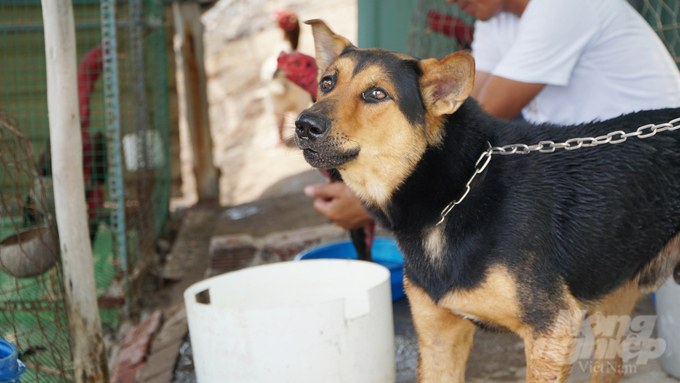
x: 316, y: 321
x: 668, y: 312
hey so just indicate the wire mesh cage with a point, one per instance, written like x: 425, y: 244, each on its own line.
x: 663, y: 16
x: 33, y: 316
x: 438, y: 28
x: 123, y: 100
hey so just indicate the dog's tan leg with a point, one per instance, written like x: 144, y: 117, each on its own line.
x: 609, y: 320
x: 549, y: 353
x: 444, y: 338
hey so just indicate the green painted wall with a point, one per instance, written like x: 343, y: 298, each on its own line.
x: 384, y: 23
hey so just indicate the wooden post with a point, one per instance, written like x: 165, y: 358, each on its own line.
x: 89, y: 353
x: 193, y: 96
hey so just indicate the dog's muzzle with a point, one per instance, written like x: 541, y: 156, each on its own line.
x: 310, y: 127
x: 319, y: 148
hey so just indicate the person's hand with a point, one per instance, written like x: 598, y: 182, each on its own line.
x: 338, y: 203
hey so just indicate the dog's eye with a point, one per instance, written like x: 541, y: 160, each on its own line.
x: 327, y: 83
x: 378, y: 94
x: 375, y: 95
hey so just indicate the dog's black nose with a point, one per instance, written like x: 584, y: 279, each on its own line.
x: 309, y: 126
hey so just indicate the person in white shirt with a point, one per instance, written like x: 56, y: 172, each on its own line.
x: 568, y: 61
x: 559, y: 61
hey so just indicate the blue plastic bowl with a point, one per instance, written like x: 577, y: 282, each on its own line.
x: 384, y: 252
x: 11, y: 368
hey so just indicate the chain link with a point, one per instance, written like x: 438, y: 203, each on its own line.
x: 613, y: 138
x: 480, y: 166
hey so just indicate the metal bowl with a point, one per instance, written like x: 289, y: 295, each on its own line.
x: 29, y: 253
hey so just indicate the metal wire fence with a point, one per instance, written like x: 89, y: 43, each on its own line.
x: 438, y: 28
x: 32, y: 312
x: 663, y: 16
x: 123, y: 97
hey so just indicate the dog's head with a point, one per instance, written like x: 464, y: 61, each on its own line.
x: 377, y: 111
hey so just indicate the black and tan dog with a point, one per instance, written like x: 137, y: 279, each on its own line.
x: 540, y: 238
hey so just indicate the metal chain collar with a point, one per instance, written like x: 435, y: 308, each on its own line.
x: 616, y: 137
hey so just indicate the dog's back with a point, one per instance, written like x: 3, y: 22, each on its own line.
x: 626, y: 193
x: 591, y: 218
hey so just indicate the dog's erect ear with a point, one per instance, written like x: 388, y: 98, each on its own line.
x: 328, y: 45
x: 446, y: 83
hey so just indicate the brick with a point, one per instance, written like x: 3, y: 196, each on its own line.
x: 148, y: 326
x: 231, y: 252
x: 165, y: 377
x: 105, y: 302
x: 133, y: 353
x: 160, y: 365
x: 174, y: 329
x: 125, y: 373
x: 160, y: 362
x: 135, y: 348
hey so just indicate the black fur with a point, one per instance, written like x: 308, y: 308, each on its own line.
x: 591, y: 217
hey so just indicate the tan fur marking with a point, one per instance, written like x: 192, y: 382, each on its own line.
x: 327, y: 44
x: 446, y: 83
x: 444, y: 338
x: 652, y: 276
x: 495, y: 301
x: 608, y: 320
x: 549, y: 355
x: 435, y: 243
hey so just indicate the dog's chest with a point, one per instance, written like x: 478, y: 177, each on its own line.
x: 476, y: 291
x: 493, y: 302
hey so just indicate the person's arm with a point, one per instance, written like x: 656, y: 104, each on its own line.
x: 550, y: 39
x: 502, y: 97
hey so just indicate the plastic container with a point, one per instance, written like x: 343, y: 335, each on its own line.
x: 11, y: 368
x: 667, y: 300
x: 384, y: 252
x: 326, y: 320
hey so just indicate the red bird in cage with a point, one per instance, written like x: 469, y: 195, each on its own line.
x: 451, y: 26
x: 301, y: 70
x: 94, y: 148
x: 281, y: 95
x: 288, y: 22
